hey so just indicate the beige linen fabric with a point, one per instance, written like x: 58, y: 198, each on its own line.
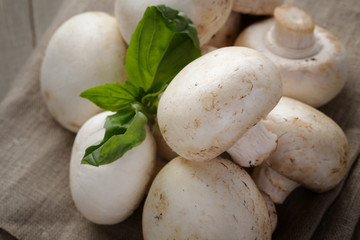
x: 35, y: 200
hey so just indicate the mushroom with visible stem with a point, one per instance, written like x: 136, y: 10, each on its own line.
x: 312, y: 62
x: 85, y: 51
x: 256, y: 7
x: 215, y: 100
x: 312, y: 151
x: 215, y: 199
x: 110, y: 193
x: 207, y: 16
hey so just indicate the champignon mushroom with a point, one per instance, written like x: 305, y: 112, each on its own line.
x: 312, y: 62
x: 85, y: 51
x: 215, y: 199
x: 110, y: 193
x: 217, y: 98
x: 163, y: 150
x: 312, y: 151
x: 256, y: 7
x: 208, y: 16
x: 228, y: 33
x: 271, y: 209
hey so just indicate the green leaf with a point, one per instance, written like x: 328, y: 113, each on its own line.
x: 124, y: 131
x: 183, y: 23
x: 164, y: 41
x: 112, y: 96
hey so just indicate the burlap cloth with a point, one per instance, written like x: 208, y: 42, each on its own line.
x: 35, y: 201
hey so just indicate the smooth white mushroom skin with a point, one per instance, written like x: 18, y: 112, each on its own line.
x: 255, y: 146
x: 256, y: 7
x: 228, y: 33
x: 215, y: 199
x: 312, y: 149
x: 108, y: 194
x: 312, y: 62
x: 85, y: 51
x: 207, y: 16
x: 215, y: 99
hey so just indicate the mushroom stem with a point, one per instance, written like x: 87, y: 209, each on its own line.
x: 255, y: 146
x: 292, y: 35
x: 277, y: 186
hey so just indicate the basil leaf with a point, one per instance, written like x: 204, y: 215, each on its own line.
x: 183, y: 23
x: 124, y: 130
x: 112, y: 96
x: 153, y: 55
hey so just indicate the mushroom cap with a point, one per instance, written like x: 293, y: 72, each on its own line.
x: 215, y: 99
x: 215, y: 199
x: 314, y: 79
x: 256, y: 7
x: 312, y: 149
x: 228, y: 32
x: 162, y: 148
x: 207, y: 16
x: 85, y: 51
x: 108, y: 194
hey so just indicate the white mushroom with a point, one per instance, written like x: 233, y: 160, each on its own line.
x: 207, y: 48
x: 227, y: 34
x: 86, y: 51
x: 215, y: 100
x: 110, y: 193
x: 207, y: 16
x: 163, y: 150
x: 312, y: 151
x: 312, y: 62
x: 215, y: 199
x: 272, y: 210
x: 256, y: 7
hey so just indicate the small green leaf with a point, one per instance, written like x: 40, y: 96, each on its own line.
x: 124, y: 131
x: 112, y: 96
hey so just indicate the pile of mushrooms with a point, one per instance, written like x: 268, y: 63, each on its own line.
x: 294, y: 144
x: 237, y: 99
